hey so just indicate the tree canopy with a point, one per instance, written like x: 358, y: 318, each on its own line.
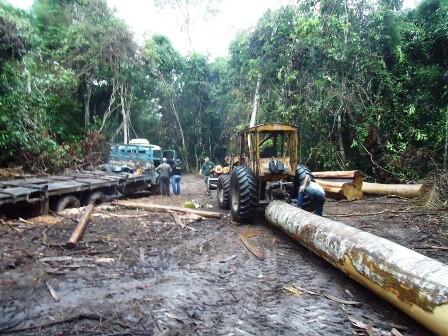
x: 366, y: 82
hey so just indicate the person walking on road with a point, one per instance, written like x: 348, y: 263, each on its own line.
x: 308, y: 187
x: 205, y: 171
x: 164, y: 169
x: 175, y: 179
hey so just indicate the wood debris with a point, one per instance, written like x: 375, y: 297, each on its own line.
x: 245, y: 236
x: 80, y: 227
x: 157, y: 207
x: 339, y: 300
x: 53, y: 293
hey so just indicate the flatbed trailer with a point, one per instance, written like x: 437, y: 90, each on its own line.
x: 38, y: 195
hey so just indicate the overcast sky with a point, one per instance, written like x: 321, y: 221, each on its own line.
x: 211, y: 31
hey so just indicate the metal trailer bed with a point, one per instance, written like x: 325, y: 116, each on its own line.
x: 40, y: 194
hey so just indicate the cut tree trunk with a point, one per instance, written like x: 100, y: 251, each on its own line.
x: 157, y: 207
x: 339, y: 190
x: 124, y: 115
x: 341, y: 184
x: 87, y: 96
x: 401, y: 190
x: 414, y: 283
x: 342, y: 174
x: 80, y: 227
x: 253, y: 117
x: 445, y: 157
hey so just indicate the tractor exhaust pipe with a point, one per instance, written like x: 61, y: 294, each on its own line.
x: 413, y: 283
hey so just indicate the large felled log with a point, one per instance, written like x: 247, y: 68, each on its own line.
x: 157, y: 207
x: 342, y: 174
x: 341, y: 189
x: 402, y: 190
x: 416, y: 284
x: 80, y: 227
x: 341, y: 184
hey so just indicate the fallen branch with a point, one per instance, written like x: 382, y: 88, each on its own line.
x: 339, y: 300
x: 157, y: 207
x: 80, y: 227
x: 432, y: 247
x: 177, y: 219
x: 53, y: 293
x: 93, y: 317
x: 64, y: 259
x: 245, y: 236
x: 414, y: 213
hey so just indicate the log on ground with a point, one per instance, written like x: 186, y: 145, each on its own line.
x: 416, y: 284
x: 338, y: 190
x: 342, y: 174
x: 80, y: 227
x: 166, y: 208
x: 341, y: 184
x: 401, y: 190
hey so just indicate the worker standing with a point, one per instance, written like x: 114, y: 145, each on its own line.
x: 175, y: 179
x: 206, y: 170
x: 164, y: 169
x: 309, y: 187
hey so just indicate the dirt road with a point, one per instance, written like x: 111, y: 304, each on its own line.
x: 139, y: 273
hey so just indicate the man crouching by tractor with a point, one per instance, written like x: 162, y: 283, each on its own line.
x: 309, y: 187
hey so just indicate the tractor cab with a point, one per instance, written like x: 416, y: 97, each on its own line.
x: 263, y: 170
x: 270, y: 150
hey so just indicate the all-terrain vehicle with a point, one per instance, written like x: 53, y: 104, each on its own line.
x: 263, y: 170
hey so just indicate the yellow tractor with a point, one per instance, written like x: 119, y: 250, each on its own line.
x: 264, y: 169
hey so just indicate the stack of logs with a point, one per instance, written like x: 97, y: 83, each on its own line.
x: 350, y: 185
x: 341, y: 184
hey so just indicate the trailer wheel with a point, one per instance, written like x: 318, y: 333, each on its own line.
x: 65, y: 202
x: 96, y: 197
x: 155, y: 189
x: 224, y: 192
x: 243, y: 189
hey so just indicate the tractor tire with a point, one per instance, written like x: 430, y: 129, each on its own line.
x: 65, y: 202
x: 243, y: 195
x: 96, y: 197
x: 224, y: 192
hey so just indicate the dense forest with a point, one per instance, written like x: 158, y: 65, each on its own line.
x: 366, y: 81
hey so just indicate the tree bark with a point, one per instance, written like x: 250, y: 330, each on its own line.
x: 445, y: 157
x: 124, y: 115
x: 341, y: 143
x: 87, y: 106
x: 414, y: 283
x: 28, y: 82
x: 253, y: 117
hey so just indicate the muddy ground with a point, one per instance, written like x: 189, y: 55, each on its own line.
x: 140, y: 273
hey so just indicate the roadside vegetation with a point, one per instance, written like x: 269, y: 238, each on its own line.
x: 366, y: 81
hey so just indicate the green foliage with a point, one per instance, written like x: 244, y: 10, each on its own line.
x: 366, y: 82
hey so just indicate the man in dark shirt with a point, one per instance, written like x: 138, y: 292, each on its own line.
x: 175, y: 179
